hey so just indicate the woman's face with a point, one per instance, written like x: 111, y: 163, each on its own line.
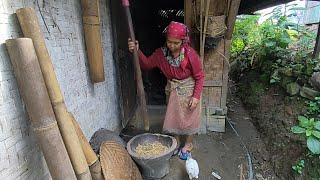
x: 173, y: 44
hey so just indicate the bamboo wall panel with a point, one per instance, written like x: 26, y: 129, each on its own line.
x: 225, y: 78
x: 214, y: 70
x: 91, y: 26
x: 213, y: 63
x: 30, y: 27
x: 34, y: 93
x: 211, y: 97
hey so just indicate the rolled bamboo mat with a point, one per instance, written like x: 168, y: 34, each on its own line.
x: 34, y: 93
x: 30, y: 27
x: 116, y: 162
x: 91, y: 26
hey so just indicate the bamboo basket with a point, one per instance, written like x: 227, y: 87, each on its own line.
x: 116, y: 162
x: 216, y: 26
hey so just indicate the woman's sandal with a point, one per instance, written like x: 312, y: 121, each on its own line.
x: 184, y: 155
x: 185, y: 151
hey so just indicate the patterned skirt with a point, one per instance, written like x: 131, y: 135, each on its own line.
x: 179, y: 119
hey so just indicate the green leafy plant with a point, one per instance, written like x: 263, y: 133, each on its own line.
x: 298, y: 168
x: 277, y: 47
x: 314, y: 107
x: 309, y: 128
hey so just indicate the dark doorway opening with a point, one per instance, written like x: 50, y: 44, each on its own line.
x: 150, y: 19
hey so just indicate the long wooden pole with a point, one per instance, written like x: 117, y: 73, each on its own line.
x: 205, y: 29
x: 34, y: 93
x: 30, y: 27
x: 140, y: 89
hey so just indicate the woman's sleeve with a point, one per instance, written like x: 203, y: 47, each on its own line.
x: 147, y: 63
x: 197, y: 74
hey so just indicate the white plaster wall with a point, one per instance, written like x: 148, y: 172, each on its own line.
x: 94, y: 106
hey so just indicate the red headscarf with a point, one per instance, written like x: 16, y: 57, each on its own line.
x: 180, y: 31
x: 177, y: 30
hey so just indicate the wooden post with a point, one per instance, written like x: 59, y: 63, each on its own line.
x: 34, y: 93
x: 30, y: 27
x: 188, y: 21
x: 140, y: 89
x: 216, y: 66
x: 231, y: 19
x: 317, y: 45
x: 188, y: 12
x: 91, y: 26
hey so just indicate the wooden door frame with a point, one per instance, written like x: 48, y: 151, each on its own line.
x: 115, y: 54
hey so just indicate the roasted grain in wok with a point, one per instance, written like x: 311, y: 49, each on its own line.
x: 150, y: 149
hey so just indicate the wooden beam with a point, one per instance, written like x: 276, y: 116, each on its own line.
x: 188, y: 19
x: 231, y: 19
x: 188, y: 13
x: 317, y: 45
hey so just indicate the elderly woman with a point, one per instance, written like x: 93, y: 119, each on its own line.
x: 182, y: 67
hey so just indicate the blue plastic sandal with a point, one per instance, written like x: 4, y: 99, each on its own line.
x: 184, y: 155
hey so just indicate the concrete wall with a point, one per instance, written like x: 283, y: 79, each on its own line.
x: 94, y: 106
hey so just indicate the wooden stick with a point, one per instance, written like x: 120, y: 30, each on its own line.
x: 241, y: 172
x: 205, y: 28
x: 34, y: 93
x: 30, y: 27
x: 140, y: 89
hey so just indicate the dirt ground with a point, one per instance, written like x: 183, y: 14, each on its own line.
x: 262, y: 118
x: 222, y: 153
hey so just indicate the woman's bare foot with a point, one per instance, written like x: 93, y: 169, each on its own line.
x: 187, y: 147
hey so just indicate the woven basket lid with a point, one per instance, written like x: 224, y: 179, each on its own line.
x: 116, y: 162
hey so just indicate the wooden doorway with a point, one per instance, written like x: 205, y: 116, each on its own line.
x: 124, y: 63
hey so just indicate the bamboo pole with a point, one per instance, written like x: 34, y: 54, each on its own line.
x: 34, y: 93
x: 140, y: 89
x: 91, y: 157
x: 91, y: 26
x: 31, y: 29
x: 205, y: 29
